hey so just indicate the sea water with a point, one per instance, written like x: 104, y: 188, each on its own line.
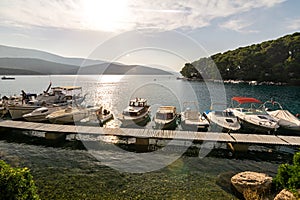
x: 61, y: 169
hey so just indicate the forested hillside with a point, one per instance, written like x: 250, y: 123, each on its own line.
x: 275, y: 60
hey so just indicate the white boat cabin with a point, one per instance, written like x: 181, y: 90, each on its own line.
x: 136, y: 107
x: 166, y: 112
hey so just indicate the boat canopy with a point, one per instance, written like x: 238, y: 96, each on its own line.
x: 242, y: 100
x: 67, y: 88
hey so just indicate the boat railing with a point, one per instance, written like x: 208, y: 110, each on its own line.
x: 273, y: 103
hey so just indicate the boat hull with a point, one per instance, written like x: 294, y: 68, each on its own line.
x: 193, y: 125
x: 67, y: 118
x: 135, y: 122
x: 40, y: 114
x: 166, y: 124
x: 249, y: 127
x: 35, y: 118
x: 17, y: 112
x: 222, y: 121
x: 193, y: 121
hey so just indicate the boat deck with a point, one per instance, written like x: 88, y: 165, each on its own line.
x: 156, y: 134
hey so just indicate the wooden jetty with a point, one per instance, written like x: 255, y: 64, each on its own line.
x: 56, y: 130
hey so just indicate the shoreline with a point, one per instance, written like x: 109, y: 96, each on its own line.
x: 253, y: 83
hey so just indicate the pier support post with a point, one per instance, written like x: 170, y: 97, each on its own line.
x: 238, y: 147
x: 55, y: 136
x: 141, y: 144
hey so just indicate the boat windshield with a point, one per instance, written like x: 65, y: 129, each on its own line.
x: 136, y: 104
x: 164, y: 116
x: 224, y: 114
x: 253, y: 111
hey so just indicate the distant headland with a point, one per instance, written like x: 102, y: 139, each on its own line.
x: 275, y: 61
x: 20, y: 61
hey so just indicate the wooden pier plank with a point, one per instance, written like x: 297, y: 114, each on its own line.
x: 158, y: 134
x: 67, y: 129
x: 213, y: 136
x: 292, y: 140
x: 84, y: 129
x: 258, y: 139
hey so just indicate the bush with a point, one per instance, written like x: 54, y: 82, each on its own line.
x: 288, y: 176
x: 16, y: 183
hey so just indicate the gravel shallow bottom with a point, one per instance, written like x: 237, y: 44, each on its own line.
x: 67, y: 173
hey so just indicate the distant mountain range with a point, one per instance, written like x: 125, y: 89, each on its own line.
x: 20, y: 61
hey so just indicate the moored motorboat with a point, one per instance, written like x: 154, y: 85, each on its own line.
x: 39, y: 114
x: 166, y: 118
x: 67, y: 115
x: 223, y: 119
x: 57, y: 95
x: 191, y: 119
x: 286, y: 120
x: 136, y: 114
x: 252, y: 116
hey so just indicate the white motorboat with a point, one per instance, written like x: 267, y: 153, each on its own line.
x: 286, y: 120
x: 166, y: 118
x: 252, y: 116
x: 68, y: 115
x: 30, y: 102
x: 191, y: 119
x: 136, y: 114
x: 39, y: 114
x: 97, y: 117
x: 224, y: 119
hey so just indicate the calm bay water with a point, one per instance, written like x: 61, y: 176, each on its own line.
x: 116, y: 90
x: 71, y: 172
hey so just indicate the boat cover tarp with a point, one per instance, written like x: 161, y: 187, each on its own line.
x: 285, y: 115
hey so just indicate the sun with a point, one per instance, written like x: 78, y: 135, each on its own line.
x: 106, y: 15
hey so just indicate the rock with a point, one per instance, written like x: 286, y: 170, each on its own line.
x: 245, y: 182
x: 285, y: 195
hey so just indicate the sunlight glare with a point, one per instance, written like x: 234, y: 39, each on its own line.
x: 110, y: 78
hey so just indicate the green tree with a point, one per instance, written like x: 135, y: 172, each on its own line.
x: 274, y: 60
x: 16, y: 183
x: 288, y: 176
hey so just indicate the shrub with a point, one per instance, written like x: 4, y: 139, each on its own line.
x: 288, y: 176
x: 16, y: 183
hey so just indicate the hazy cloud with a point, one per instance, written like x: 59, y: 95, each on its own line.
x: 293, y: 24
x: 114, y: 15
x: 238, y: 25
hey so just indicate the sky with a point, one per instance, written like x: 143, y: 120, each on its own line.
x: 158, y: 33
